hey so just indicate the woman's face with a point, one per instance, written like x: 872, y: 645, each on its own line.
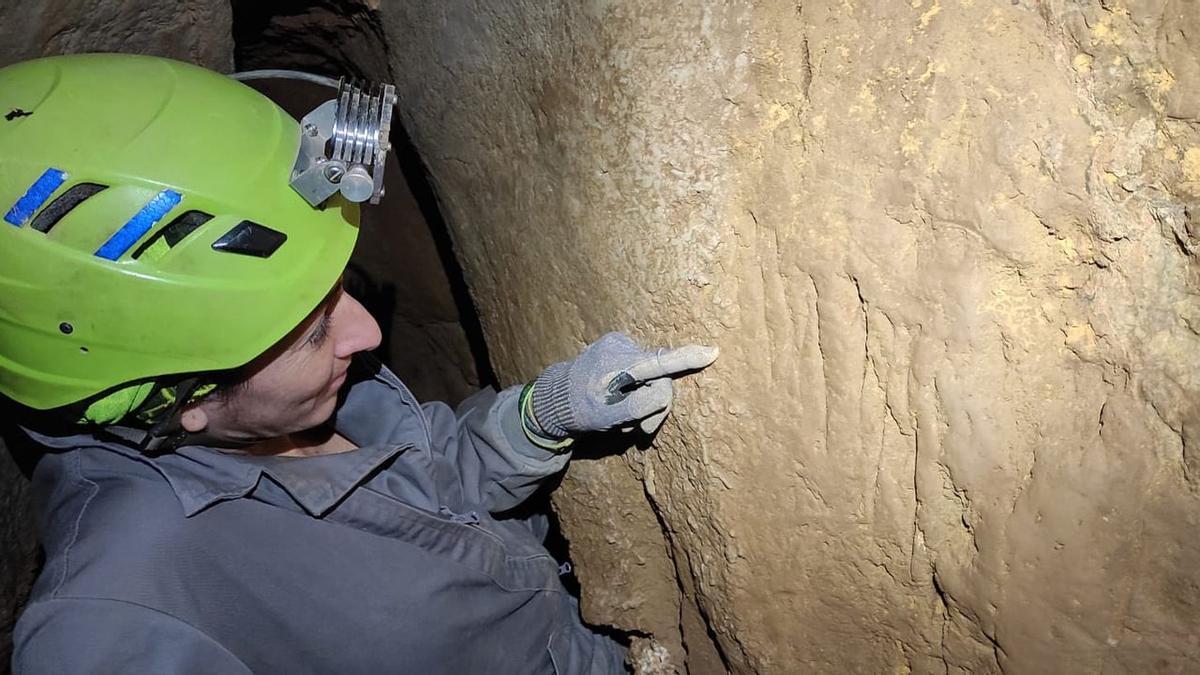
x: 294, y: 385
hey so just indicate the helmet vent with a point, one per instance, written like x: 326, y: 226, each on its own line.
x: 248, y: 238
x: 60, y: 207
x: 174, y: 232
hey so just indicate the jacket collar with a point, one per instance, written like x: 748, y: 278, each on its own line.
x: 378, y: 414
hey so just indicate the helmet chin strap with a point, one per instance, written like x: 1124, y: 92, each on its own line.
x: 167, y: 434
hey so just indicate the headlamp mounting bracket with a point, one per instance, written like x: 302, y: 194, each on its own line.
x: 344, y: 144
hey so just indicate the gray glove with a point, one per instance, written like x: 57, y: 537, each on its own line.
x: 613, y: 384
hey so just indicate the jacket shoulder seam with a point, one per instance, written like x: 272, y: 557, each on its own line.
x: 66, y: 599
x: 79, y: 479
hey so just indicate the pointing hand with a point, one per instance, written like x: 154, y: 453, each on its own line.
x: 612, y: 384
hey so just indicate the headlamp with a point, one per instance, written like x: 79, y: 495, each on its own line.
x: 343, y: 142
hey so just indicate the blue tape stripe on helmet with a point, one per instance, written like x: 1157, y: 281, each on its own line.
x: 139, y: 224
x: 35, y: 196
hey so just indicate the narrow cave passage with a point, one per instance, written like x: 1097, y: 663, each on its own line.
x: 403, y: 269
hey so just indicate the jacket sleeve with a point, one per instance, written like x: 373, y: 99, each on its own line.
x: 497, y: 467
x: 99, y: 636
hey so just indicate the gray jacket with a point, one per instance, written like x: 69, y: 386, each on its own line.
x: 385, y: 559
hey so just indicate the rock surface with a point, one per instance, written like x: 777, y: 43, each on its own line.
x: 197, y: 31
x: 948, y: 248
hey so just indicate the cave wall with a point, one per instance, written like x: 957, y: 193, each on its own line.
x: 948, y: 249
x: 198, y: 31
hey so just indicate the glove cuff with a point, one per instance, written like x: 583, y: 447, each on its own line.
x: 552, y: 401
x: 534, y: 432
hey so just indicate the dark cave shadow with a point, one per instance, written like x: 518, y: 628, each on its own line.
x: 19, y: 577
x: 603, y: 444
x: 379, y: 299
x: 416, y: 174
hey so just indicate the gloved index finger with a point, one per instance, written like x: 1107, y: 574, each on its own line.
x: 667, y: 362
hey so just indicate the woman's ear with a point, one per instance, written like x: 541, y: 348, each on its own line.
x: 194, y: 419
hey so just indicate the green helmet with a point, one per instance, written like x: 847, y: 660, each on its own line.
x: 148, y: 226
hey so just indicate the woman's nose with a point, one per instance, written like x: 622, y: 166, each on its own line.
x: 355, y: 330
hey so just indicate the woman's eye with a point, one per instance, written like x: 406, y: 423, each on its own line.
x: 318, y: 335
